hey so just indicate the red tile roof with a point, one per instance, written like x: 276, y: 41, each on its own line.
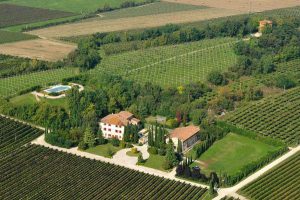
x: 122, y: 118
x: 184, y: 133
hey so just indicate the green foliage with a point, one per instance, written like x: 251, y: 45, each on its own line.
x: 152, y: 150
x: 6, y: 36
x: 216, y: 78
x: 140, y: 159
x: 284, y: 82
x: 89, y: 137
x: 59, y: 139
x: 115, y: 142
x: 171, y: 159
x: 197, y: 116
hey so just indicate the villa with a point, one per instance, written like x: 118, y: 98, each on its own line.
x: 113, y: 125
x: 187, y: 135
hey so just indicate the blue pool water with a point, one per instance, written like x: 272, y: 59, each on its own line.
x: 58, y: 88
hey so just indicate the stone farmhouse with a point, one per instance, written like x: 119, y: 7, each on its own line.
x: 187, y: 135
x: 113, y: 125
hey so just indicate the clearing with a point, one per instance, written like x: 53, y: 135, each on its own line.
x: 231, y: 153
x: 14, y: 15
x: 242, y: 5
x: 40, y: 49
x: 95, y: 25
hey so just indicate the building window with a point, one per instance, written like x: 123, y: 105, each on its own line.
x: 109, y: 129
x: 104, y: 129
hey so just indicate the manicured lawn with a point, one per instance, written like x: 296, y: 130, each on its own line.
x: 76, y: 6
x: 129, y: 153
x: 29, y: 99
x: 155, y: 162
x: 102, y: 150
x: 231, y: 153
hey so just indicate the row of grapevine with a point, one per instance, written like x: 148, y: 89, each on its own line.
x: 277, y: 117
x: 14, y: 134
x: 282, y: 183
x: 35, y: 172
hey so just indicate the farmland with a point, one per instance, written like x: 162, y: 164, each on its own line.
x: 13, y: 85
x: 40, y: 49
x: 274, y: 117
x: 281, y: 182
x: 172, y: 65
x: 14, y: 15
x: 77, y: 6
x: 7, y: 37
x: 150, y: 9
x: 242, y: 151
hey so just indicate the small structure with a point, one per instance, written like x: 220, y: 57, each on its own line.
x: 263, y: 24
x: 143, y: 136
x: 113, y: 125
x: 187, y: 135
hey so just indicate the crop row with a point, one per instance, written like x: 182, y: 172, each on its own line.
x: 281, y: 183
x: 41, y: 173
x: 277, y: 117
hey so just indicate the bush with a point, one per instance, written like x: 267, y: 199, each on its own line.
x: 140, y: 159
x: 109, y: 152
x: 82, y: 146
x: 166, y: 165
x: 216, y: 78
x: 134, y: 150
x: 101, y: 141
x: 162, y: 152
x: 172, y: 123
x: 284, y: 82
x: 59, y: 140
x: 115, y: 142
x: 128, y: 145
x: 123, y: 144
x: 152, y: 150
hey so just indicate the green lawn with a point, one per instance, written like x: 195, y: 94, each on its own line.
x: 76, y: 6
x: 150, y: 9
x: 172, y: 65
x: 29, y: 99
x: 155, y: 162
x: 129, y: 153
x: 102, y: 150
x: 7, y: 36
x: 231, y: 153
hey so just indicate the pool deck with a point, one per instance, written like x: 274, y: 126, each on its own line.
x: 42, y: 95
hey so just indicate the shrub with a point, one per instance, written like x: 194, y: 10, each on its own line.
x: 128, y: 145
x: 216, y: 78
x: 140, y: 159
x: 115, y: 142
x: 134, y: 150
x: 123, y: 144
x: 166, y: 165
x: 109, y: 152
x: 172, y: 123
x: 152, y: 150
x: 82, y: 145
x: 101, y: 141
x: 162, y: 152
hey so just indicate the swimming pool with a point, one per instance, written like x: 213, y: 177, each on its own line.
x: 58, y: 89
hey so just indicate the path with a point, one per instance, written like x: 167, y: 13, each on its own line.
x: 232, y: 191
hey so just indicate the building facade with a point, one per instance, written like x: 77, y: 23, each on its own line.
x: 113, y: 125
x: 187, y: 135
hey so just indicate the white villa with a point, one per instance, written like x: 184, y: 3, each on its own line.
x: 113, y: 125
x: 187, y: 136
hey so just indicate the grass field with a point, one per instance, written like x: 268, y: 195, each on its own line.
x: 29, y: 99
x: 76, y: 6
x: 282, y: 182
x: 7, y: 37
x: 231, y: 153
x: 172, y: 65
x: 11, y: 86
x: 11, y: 15
x: 276, y: 116
x: 150, y: 9
x: 155, y: 162
x: 102, y: 150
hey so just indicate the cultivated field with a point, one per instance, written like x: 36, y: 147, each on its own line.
x: 242, y: 5
x: 11, y: 15
x: 13, y: 85
x: 7, y: 37
x: 172, y: 65
x: 280, y: 183
x: 276, y: 117
x: 40, y: 49
x: 76, y: 6
x: 233, y: 152
x: 149, y: 9
x: 89, y: 26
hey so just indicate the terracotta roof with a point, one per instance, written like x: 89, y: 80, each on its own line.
x: 122, y: 118
x: 113, y: 119
x: 125, y: 114
x: 184, y: 133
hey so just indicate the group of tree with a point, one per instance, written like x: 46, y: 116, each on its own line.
x: 131, y: 134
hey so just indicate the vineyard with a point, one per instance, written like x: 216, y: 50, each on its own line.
x: 280, y: 183
x: 6, y: 37
x: 276, y: 117
x: 13, y: 85
x: 49, y: 174
x: 172, y: 65
x: 14, y: 134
